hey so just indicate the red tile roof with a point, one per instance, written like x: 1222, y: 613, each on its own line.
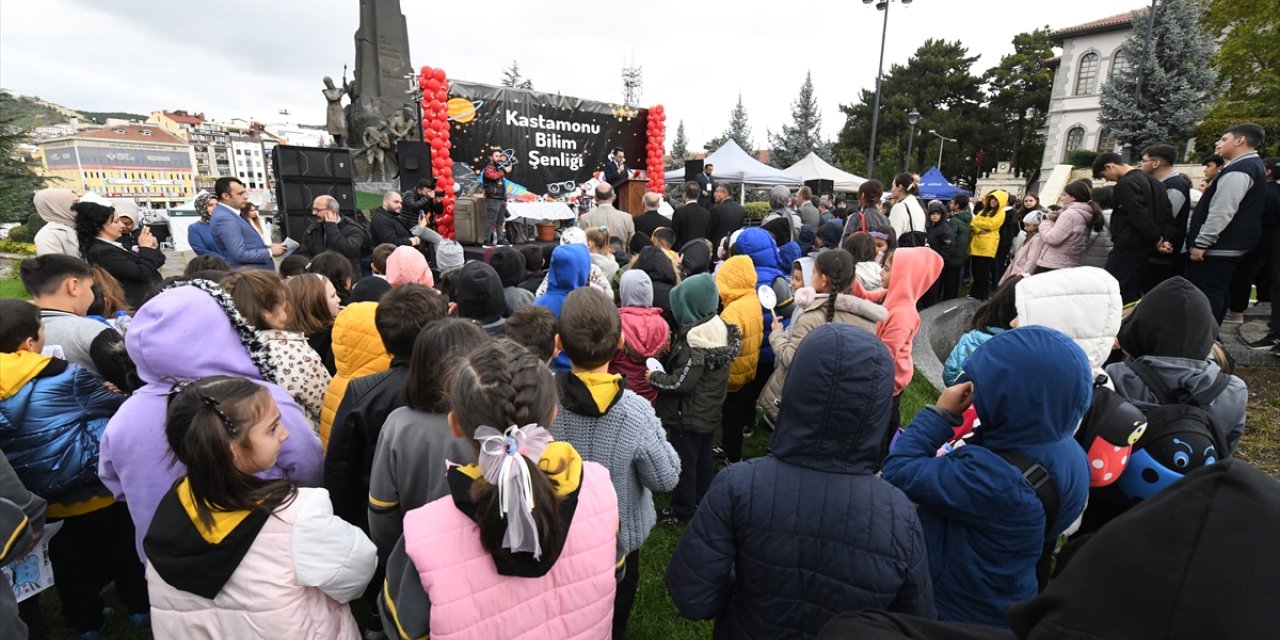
x: 131, y: 133
x: 1111, y: 23
x: 182, y: 117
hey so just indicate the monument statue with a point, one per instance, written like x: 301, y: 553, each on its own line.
x: 377, y: 145
x: 335, y: 119
x: 377, y: 95
x: 403, y: 125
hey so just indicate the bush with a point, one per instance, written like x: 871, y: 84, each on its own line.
x: 27, y: 232
x: 12, y: 245
x: 756, y: 210
x: 1081, y: 158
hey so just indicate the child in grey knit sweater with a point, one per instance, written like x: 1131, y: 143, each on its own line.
x: 610, y: 425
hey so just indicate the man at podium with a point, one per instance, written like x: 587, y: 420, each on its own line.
x: 615, y: 168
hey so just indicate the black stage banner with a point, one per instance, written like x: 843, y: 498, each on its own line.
x: 554, y: 142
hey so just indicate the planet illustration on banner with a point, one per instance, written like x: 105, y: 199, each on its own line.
x: 463, y: 110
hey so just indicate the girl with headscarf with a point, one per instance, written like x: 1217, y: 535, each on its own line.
x: 58, y: 235
x: 200, y: 234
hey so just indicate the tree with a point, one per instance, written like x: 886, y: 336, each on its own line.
x: 803, y: 134
x: 511, y: 77
x: 1248, y: 61
x: 937, y: 82
x: 18, y: 177
x: 1176, y: 78
x: 679, y: 148
x: 1020, y: 88
x: 739, y: 130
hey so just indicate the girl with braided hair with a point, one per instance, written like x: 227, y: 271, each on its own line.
x: 232, y: 554
x: 824, y: 303
x: 527, y: 539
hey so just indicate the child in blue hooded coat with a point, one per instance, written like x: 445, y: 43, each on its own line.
x: 569, y: 269
x: 984, y: 524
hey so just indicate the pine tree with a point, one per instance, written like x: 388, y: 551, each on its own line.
x: 679, y: 148
x: 739, y: 130
x: 511, y: 77
x: 1021, y: 86
x: 1248, y: 61
x: 803, y: 134
x: 18, y: 177
x: 1176, y: 78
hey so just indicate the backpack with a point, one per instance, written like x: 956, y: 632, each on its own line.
x: 1181, y: 436
x: 1108, y: 432
x: 1038, y: 478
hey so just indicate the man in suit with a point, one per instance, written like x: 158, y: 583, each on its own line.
x: 615, y: 169
x: 809, y: 214
x: 650, y: 220
x: 707, y: 185
x: 726, y: 217
x: 619, y: 223
x: 690, y: 221
x: 235, y: 238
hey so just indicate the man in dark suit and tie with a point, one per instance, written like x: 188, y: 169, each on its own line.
x: 615, y: 169
x: 690, y: 221
x: 707, y: 183
x: 726, y: 217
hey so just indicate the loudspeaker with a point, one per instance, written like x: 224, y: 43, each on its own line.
x: 470, y: 220
x: 302, y: 175
x: 691, y: 170
x: 415, y: 163
x: 819, y: 186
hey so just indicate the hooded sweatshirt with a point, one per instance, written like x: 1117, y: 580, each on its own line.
x: 406, y: 265
x: 692, y: 389
x: 914, y: 270
x: 58, y: 235
x: 645, y: 334
x: 695, y: 257
x: 509, y: 264
x: 185, y: 333
x: 1172, y: 330
x: 570, y: 266
x: 736, y: 281
x: 478, y: 292
x: 662, y: 275
x: 984, y: 524
x: 1083, y: 303
x: 783, y: 542
x: 986, y: 227
x: 357, y: 351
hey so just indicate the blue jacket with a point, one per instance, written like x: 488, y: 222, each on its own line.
x: 984, y: 524
x: 237, y: 240
x: 569, y: 269
x: 783, y: 543
x: 200, y: 237
x: 759, y: 245
x: 52, y: 414
x: 968, y: 343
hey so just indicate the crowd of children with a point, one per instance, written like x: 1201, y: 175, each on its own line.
x: 475, y: 451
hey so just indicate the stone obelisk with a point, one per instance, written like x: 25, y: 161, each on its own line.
x: 382, y: 62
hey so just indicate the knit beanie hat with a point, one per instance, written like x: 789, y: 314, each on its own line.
x: 478, y: 292
x: 449, y: 255
x: 695, y: 300
x: 831, y: 233
x: 406, y: 265
x: 636, y: 289
x: 573, y: 235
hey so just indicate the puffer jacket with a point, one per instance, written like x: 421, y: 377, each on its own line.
x: 782, y: 543
x: 1099, y: 246
x: 961, y: 221
x: 736, y: 281
x: 986, y: 228
x: 757, y: 244
x: 645, y: 335
x: 1066, y: 238
x: 850, y: 310
x: 691, y: 392
x: 569, y: 268
x: 296, y: 570
x: 52, y: 414
x: 984, y: 524
x: 1083, y: 303
x: 357, y: 351
x: 969, y: 342
x: 188, y: 332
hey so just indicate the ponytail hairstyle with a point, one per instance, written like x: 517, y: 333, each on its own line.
x: 1080, y: 191
x: 205, y: 419
x: 1000, y: 309
x: 861, y: 246
x: 908, y: 183
x: 838, y: 268
x: 498, y: 386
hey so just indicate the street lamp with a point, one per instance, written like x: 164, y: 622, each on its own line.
x: 912, y: 117
x: 881, y: 5
x: 941, y: 139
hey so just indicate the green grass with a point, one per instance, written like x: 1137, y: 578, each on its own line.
x: 12, y: 288
x: 366, y: 201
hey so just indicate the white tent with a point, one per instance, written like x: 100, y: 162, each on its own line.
x: 735, y: 165
x: 812, y: 167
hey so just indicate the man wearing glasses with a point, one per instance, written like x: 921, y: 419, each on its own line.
x: 332, y: 232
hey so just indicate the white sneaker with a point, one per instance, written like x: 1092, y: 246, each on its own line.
x: 1233, y: 318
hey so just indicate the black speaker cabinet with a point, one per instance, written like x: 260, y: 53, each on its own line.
x: 691, y: 170
x: 305, y: 173
x: 415, y: 163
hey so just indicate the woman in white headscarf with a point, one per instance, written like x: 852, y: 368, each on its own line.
x: 58, y: 235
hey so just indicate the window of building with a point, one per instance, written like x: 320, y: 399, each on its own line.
x: 1075, y: 138
x: 1087, y: 75
x: 1106, y: 141
x: 1118, y: 64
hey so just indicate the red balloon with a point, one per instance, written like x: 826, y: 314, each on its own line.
x: 438, y: 74
x: 442, y: 94
x: 435, y: 106
x: 433, y: 84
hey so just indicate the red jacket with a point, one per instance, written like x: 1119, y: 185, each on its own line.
x: 645, y: 336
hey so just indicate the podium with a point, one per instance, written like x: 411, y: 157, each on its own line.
x: 630, y: 192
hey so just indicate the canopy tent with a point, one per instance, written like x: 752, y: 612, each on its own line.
x: 813, y: 167
x: 735, y: 165
x: 934, y: 186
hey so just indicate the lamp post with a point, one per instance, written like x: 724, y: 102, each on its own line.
x: 881, y: 5
x: 912, y: 117
x: 941, y: 140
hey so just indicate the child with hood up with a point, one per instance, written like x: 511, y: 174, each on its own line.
x: 510, y: 265
x: 691, y: 390
x: 985, y: 525
x: 985, y: 242
x: 908, y: 273
x: 644, y: 333
x: 736, y: 281
x: 569, y: 268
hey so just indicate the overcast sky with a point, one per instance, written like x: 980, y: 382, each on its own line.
x: 242, y: 58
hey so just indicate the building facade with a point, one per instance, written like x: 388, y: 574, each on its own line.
x: 1089, y: 60
x: 141, y: 162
